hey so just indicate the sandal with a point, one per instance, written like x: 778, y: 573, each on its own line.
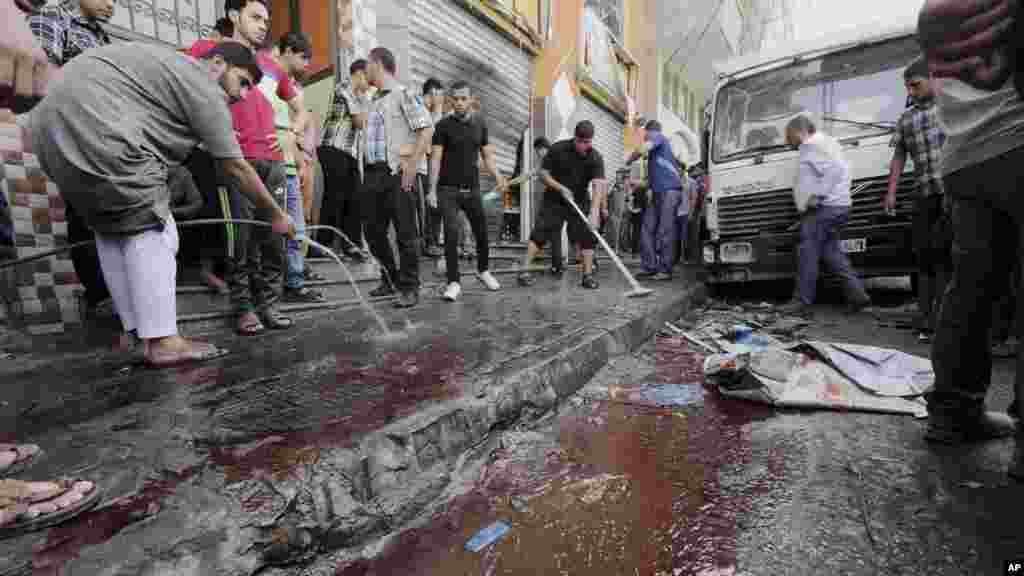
x: 275, y: 320
x: 249, y: 325
x: 199, y: 352
x: 25, y: 455
x: 21, y: 497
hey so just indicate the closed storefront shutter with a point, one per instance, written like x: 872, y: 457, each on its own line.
x: 449, y: 43
x: 609, y: 133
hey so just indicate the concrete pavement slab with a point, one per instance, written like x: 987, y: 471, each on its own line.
x: 308, y: 440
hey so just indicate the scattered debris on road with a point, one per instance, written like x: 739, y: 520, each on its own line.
x: 758, y: 354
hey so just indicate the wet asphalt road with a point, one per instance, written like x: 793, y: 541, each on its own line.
x: 726, y: 487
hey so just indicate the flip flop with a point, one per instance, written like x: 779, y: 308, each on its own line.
x: 249, y: 324
x: 26, y: 525
x: 198, y: 353
x: 25, y: 457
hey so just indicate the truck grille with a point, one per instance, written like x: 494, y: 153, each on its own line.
x: 773, y: 212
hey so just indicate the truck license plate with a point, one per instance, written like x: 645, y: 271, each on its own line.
x: 854, y: 245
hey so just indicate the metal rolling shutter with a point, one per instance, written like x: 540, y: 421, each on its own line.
x: 609, y: 133
x: 449, y: 43
x: 178, y: 23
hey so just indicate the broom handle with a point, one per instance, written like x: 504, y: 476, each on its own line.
x: 604, y: 244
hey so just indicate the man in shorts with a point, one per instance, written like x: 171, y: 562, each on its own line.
x: 567, y: 171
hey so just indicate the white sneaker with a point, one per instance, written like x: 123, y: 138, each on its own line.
x: 489, y: 280
x: 452, y: 292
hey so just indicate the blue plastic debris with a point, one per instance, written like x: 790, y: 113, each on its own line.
x: 663, y: 395
x: 487, y: 536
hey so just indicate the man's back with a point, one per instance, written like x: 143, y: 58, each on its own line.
x: 123, y: 105
x: 979, y: 124
x: 824, y: 170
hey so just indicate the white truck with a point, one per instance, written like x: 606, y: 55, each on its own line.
x: 851, y: 83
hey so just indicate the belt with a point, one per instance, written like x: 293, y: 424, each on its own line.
x: 378, y: 166
x: 464, y: 190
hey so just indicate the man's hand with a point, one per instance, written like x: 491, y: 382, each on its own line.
x: 812, y: 202
x: 408, y: 178
x: 23, y: 64
x: 502, y: 183
x: 282, y: 224
x: 432, y: 199
x: 275, y: 142
x: 967, y: 39
x: 889, y: 202
x: 947, y: 204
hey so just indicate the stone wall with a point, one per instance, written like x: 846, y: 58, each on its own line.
x: 41, y: 297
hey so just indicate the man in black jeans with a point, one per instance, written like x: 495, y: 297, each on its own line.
x: 398, y: 131
x: 459, y: 141
x: 982, y: 161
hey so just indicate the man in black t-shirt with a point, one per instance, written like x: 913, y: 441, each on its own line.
x: 568, y: 169
x: 459, y: 141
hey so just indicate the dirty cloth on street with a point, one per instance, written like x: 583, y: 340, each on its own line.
x: 826, y: 375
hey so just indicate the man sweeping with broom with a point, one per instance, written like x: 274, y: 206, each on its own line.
x: 567, y: 171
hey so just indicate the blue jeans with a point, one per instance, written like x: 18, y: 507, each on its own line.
x: 819, y: 240
x: 658, y: 233
x: 295, y: 279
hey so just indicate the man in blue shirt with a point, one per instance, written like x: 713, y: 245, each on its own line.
x: 658, y: 233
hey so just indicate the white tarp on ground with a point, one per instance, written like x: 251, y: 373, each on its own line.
x: 826, y: 375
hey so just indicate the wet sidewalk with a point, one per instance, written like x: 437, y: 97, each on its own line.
x: 306, y: 440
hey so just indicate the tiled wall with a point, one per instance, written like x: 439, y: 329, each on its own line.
x: 41, y: 296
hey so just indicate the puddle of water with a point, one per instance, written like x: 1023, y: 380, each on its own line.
x: 622, y: 489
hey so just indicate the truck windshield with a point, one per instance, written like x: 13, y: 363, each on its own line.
x: 854, y: 93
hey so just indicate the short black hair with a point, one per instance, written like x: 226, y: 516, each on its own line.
x: 652, y: 126
x: 236, y: 55
x: 917, y: 69
x: 296, y: 42
x: 357, y: 66
x: 459, y: 85
x: 802, y: 123
x: 225, y: 27
x: 585, y: 130
x: 386, y: 59
x: 230, y: 5
x: 541, y: 142
x: 432, y: 84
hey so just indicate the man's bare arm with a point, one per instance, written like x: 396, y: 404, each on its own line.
x: 550, y: 182
x: 899, y: 161
x: 423, y: 138
x: 250, y: 184
x: 435, y: 167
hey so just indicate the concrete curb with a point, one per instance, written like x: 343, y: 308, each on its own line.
x: 396, y: 472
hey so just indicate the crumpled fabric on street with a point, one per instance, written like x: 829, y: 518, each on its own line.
x: 826, y: 375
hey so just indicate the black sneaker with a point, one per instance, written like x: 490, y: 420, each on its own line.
x: 384, y: 289
x: 794, y: 308
x: 408, y: 299
x: 526, y: 279
x: 661, y: 277
x: 953, y: 429
x: 304, y: 295
x: 645, y: 275
x: 557, y: 272
x: 589, y: 283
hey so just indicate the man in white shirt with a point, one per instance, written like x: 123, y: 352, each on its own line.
x: 822, y: 195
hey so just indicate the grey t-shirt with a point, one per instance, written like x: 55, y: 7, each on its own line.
x: 980, y: 125
x: 122, y: 115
